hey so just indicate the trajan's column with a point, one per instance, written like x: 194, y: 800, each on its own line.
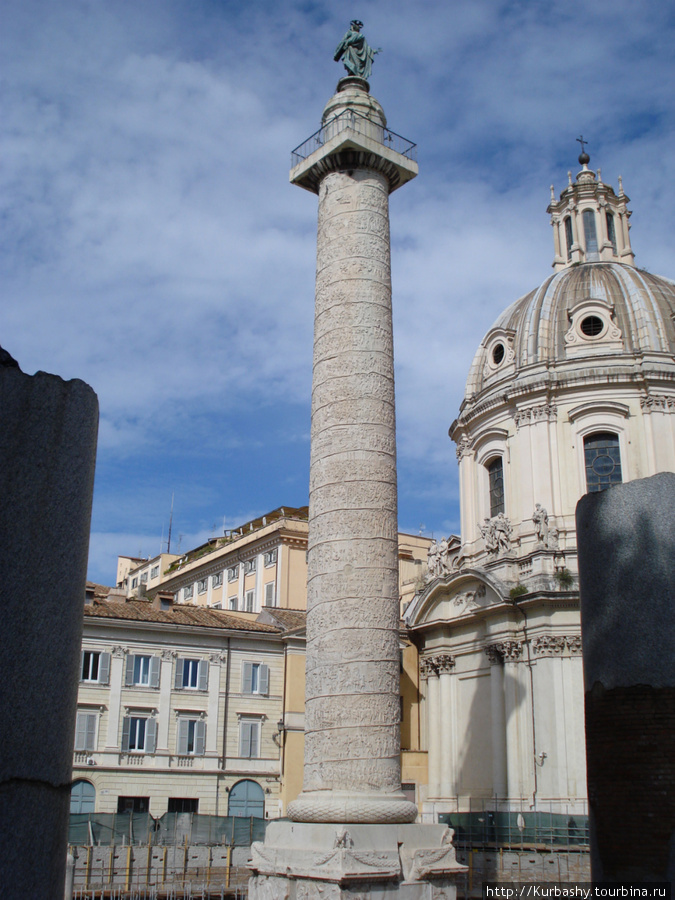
x: 352, y: 779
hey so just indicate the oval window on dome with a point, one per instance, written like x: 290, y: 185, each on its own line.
x: 498, y: 354
x: 592, y: 326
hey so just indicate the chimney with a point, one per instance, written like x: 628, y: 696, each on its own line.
x: 163, y: 600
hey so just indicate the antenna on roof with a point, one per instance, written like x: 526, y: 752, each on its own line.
x: 168, y: 543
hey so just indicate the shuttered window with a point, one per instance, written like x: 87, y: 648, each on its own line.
x: 255, y: 678
x: 249, y: 739
x: 139, y: 734
x: 142, y: 670
x: 192, y: 674
x: 191, y: 737
x: 85, y: 732
x: 95, y: 667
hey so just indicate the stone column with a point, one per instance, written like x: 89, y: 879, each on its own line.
x: 446, y: 664
x: 626, y: 540
x: 47, y: 454
x: 352, y: 741
x: 433, y: 717
x: 516, y: 708
x: 498, y: 721
x: 350, y: 828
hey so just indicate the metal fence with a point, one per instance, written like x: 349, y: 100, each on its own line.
x: 495, y: 828
x: 102, y: 829
x: 348, y: 119
x: 178, y: 890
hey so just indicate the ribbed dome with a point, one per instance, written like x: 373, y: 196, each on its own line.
x: 632, y: 313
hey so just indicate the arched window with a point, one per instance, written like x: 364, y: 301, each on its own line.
x: 568, y: 236
x: 611, y: 231
x: 603, y: 461
x: 590, y: 234
x: 82, y: 797
x: 247, y: 799
x: 495, y: 470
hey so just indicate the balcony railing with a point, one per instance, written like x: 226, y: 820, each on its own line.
x: 350, y: 120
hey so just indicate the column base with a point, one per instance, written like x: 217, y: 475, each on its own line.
x: 301, y: 861
x: 347, y: 807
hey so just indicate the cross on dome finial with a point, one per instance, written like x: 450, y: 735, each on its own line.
x: 584, y: 158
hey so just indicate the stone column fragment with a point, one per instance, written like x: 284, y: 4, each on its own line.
x: 626, y: 540
x: 48, y: 431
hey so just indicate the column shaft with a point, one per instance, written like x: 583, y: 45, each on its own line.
x: 352, y: 741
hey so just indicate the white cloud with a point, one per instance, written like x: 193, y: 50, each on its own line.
x: 152, y: 246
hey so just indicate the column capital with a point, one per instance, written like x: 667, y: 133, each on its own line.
x: 428, y: 667
x: 504, y: 651
x: 445, y: 663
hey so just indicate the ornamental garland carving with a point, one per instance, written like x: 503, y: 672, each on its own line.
x: 547, y: 412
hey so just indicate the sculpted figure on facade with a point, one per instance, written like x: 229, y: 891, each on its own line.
x: 439, y: 561
x: 496, y: 532
x: 503, y: 532
x: 540, y: 519
x: 489, y: 535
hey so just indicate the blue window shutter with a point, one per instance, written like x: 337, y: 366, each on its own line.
x: 264, y: 675
x: 183, y: 726
x: 203, y: 676
x: 104, y: 668
x: 178, y: 683
x: 150, y: 735
x: 200, y: 737
x: 155, y: 663
x: 129, y: 676
x: 126, y: 725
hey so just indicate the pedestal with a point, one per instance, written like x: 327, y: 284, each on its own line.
x: 299, y: 861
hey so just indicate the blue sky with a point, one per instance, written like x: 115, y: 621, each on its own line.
x: 152, y: 246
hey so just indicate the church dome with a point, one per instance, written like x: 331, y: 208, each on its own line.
x: 588, y: 310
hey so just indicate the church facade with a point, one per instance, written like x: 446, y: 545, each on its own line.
x: 571, y: 390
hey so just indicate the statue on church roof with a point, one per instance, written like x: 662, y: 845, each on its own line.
x: 355, y: 52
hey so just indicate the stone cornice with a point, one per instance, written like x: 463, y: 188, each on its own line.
x: 551, y: 384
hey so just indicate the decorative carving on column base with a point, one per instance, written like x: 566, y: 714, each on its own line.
x: 343, y: 806
x: 327, y: 862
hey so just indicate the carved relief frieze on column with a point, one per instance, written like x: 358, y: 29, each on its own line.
x: 119, y: 652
